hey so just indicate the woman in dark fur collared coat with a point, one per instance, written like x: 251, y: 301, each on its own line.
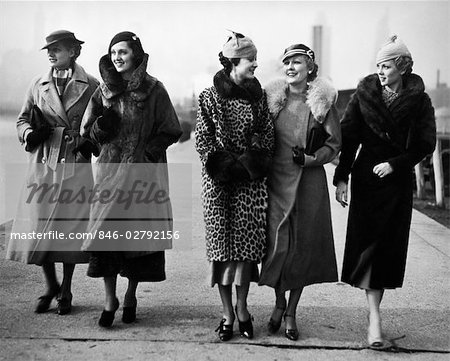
x: 234, y: 137
x: 391, y: 119
x: 131, y: 118
x: 300, y: 247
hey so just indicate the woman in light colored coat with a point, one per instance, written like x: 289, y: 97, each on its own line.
x: 132, y: 120
x: 300, y: 248
x: 58, y: 157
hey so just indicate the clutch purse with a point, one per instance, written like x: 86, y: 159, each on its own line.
x: 316, y: 139
x: 37, y: 120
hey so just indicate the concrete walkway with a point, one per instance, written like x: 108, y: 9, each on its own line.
x: 177, y: 318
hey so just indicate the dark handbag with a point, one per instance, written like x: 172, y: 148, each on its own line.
x: 37, y: 119
x: 316, y: 139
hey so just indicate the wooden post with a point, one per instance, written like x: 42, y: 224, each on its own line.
x: 420, y: 181
x: 438, y: 175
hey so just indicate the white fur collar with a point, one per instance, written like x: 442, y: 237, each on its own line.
x: 321, y: 95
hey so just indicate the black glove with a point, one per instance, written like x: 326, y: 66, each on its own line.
x: 108, y: 121
x: 298, y: 155
x: 38, y: 136
x: 86, y: 148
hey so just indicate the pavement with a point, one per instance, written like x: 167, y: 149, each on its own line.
x: 176, y: 318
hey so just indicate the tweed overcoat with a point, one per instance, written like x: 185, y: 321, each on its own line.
x: 229, y: 116
x: 134, y: 159
x: 300, y: 248
x: 380, y: 208
x: 54, y: 163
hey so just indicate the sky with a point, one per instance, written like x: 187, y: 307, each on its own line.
x: 183, y: 38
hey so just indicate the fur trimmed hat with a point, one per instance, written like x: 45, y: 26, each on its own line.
x: 392, y: 50
x: 239, y: 46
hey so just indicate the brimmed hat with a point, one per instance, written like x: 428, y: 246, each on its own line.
x: 392, y: 50
x: 59, y: 35
x: 239, y: 46
x: 298, y: 49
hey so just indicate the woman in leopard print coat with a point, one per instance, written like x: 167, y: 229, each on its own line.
x: 234, y: 137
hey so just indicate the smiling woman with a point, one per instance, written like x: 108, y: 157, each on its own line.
x: 131, y: 119
x: 234, y: 137
x: 391, y: 119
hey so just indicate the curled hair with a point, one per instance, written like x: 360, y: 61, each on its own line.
x: 72, y: 45
x: 228, y: 63
x: 312, y: 67
x: 138, y: 52
x: 404, y: 64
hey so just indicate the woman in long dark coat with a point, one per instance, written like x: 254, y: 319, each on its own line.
x: 234, y: 137
x: 57, y: 158
x: 391, y: 119
x: 300, y: 247
x: 132, y: 119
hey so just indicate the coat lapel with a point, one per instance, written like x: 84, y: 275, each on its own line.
x: 75, y: 88
x: 51, y: 97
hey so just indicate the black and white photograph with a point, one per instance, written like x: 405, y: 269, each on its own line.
x: 224, y: 180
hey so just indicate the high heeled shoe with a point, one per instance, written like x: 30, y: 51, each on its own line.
x: 44, y: 301
x: 225, y: 331
x: 245, y: 327
x: 129, y: 314
x: 64, y: 305
x: 273, y: 326
x: 375, y: 342
x: 107, y: 317
x: 290, y: 333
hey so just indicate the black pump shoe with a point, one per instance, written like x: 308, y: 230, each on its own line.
x: 246, y: 327
x: 225, y: 331
x: 291, y: 334
x: 107, y: 317
x: 273, y: 326
x: 64, y: 305
x: 44, y: 301
x: 129, y: 314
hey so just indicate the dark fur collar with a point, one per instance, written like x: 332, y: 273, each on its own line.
x: 250, y: 90
x: 113, y: 83
x: 387, y: 123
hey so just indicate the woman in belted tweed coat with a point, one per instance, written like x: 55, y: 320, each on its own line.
x: 58, y: 164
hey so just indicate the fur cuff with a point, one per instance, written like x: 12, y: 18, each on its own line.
x: 218, y: 163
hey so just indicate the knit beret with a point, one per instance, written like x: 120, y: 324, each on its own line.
x: 239, y: 46
x: 392, y: 50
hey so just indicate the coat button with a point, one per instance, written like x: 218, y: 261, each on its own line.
x: 43, y: 160
x: 63, y: 160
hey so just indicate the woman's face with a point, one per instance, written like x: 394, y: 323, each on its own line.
x: 60, y: 56
x: 389, y: 74
x: 296, y: 69
x: 122, y: 58
x: 246, y: 68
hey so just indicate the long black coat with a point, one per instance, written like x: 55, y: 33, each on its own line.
x: 381, y: 208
